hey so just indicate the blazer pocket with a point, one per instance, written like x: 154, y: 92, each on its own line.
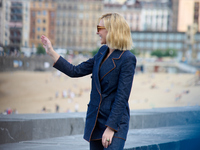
x: 91, y: 109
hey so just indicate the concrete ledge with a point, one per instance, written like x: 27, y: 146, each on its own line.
x: 185, y: 137
x: 15, y: 128
x: 24, y: 127
x: 164, y: 117
x: 182, y: 137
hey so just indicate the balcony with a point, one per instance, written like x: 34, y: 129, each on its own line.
x: 16, y: 17
x: 16, y: 5
x: 15, y: 25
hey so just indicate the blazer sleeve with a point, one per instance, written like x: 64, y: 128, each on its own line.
x: 123, y: 92
x: 80, y: 70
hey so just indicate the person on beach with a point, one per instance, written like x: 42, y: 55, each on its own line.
x: 112, y: 69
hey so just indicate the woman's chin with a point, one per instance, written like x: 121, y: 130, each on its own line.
x: 102, y: 42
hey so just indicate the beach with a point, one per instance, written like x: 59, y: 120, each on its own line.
x: 50, y: 92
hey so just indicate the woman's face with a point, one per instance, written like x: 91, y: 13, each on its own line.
x: 102, y: 32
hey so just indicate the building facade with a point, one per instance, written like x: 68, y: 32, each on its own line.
x: 144, y: 15
x: 155, y: 15
x: 14, y: 24
x: 4, y: 22
x: 174, y: 15
x: 76, y: 24
x: 2, y: 11
x: 188, y: 14
x: 130, y: 11
x: 42, y: 21
x: 147, y: 41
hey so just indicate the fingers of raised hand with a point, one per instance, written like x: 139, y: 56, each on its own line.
x: 44, y: 39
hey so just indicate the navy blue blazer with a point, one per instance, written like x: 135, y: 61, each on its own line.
x: 111, y: 87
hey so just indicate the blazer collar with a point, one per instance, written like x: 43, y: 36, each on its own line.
x: 109, y: 63
x: 107, y: 66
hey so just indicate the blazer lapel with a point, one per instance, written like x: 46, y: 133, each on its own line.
x: 109, y: 63
x: 96, y: 71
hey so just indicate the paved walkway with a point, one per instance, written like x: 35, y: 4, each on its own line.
x: 163, y: 138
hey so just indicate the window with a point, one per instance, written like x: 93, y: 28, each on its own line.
x: 135, y: 44
x: 44, y: 21
x: 155, y: 45
x: 171, y: 45
x: 163, y: 36
x: 81, y: 16
x: 81, y: 7
x: 58, y: 23
x: 33, y: 13
x: 52, y: 14
x: 38, y: 28
x: 163, y: 45
x: 26, y: 44
x: 156, y: 36
x: 44, y: 12
x: 178, y: 45
x: 197, y: 37
x: 135, y: 36
x: 140, y: 44
x: 171, y: 36
x: 149, y: 44
x: 38, y: 12
x: 179, y: 37
x: 38, y: 20
x: 38, y: 37
x: 142, y: 36
x: 44, y: 29
x: 149, y: 36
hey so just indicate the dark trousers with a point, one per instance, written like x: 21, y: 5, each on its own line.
x: 117, y: 144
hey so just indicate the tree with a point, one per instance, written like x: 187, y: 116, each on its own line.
x: 164, y: 53
x: 159, y: 53
x: 40, y: 50
x: 171, y: 53
x: 95, y: 51
x: 135, y: 51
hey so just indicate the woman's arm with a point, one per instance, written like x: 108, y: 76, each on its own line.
x: 63, y: 65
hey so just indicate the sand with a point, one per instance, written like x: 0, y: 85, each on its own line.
x: 29, y: 92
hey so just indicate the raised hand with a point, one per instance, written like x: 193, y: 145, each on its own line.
x: 49, y: 49
x: 46, y: 44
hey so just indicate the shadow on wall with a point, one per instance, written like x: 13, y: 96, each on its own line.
x: 37, y: 63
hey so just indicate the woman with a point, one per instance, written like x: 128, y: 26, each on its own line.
x: 112, y: 69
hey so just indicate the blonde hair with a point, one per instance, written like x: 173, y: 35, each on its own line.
x: 119, y: 35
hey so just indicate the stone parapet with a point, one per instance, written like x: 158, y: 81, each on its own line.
x: 27, y: 127
x: 182, y: 137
